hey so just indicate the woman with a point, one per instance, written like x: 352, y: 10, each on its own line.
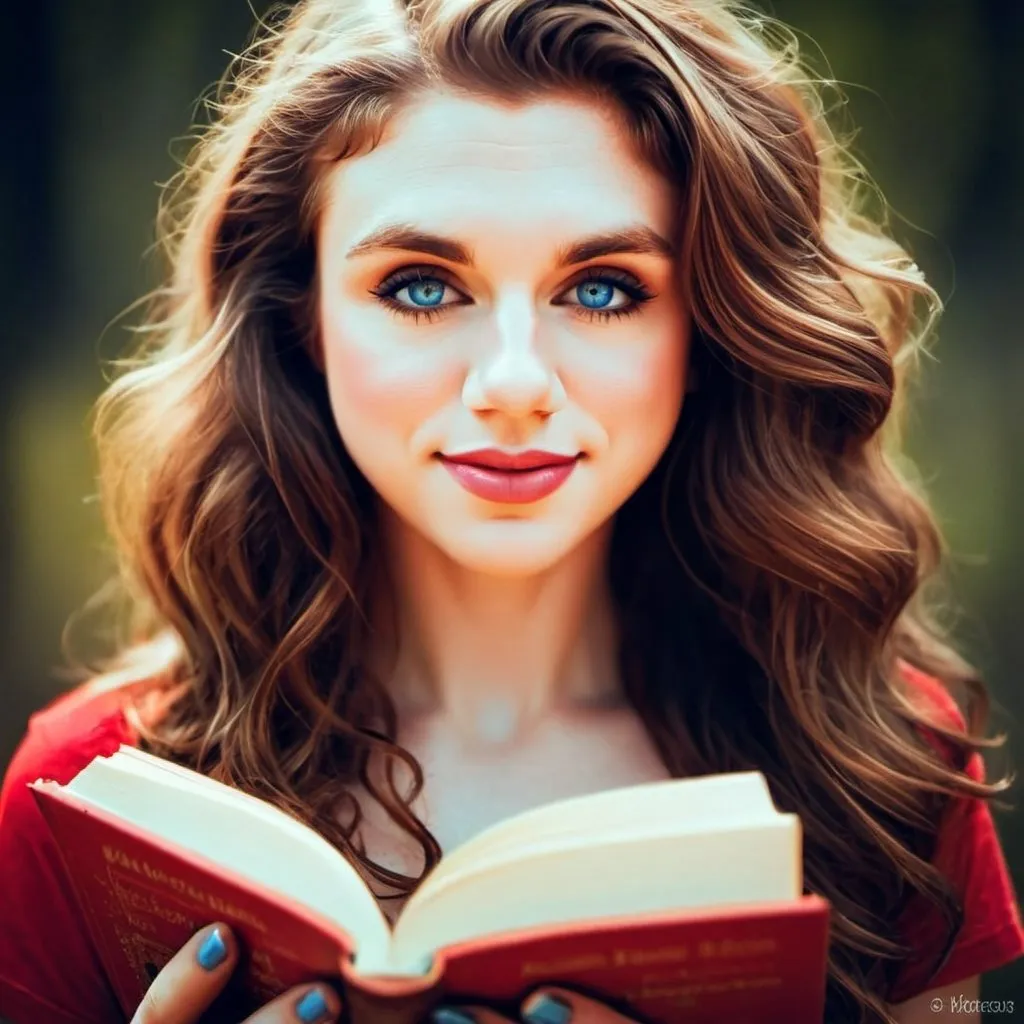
x: 518, y: 422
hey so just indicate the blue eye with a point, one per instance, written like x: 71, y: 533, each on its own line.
x: 604, y: 293
x: 595, y: 294
x: 427, y: 292
x: 419, y: 293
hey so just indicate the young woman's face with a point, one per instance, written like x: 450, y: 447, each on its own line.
x: 496, y: 280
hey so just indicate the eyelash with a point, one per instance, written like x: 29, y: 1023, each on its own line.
x: 393, y: 284
x: 622, y: 280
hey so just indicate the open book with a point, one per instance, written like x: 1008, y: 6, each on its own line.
x: 680, y: 899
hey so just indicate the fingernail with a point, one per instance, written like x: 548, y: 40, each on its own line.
x: 448, y: 1015
x: 213, y: 952
x: 312, y: 1007
x: 544, y: 1009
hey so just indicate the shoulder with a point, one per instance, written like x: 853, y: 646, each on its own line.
x: 931, y: 697
x: 48, y: 968
x: 940, y: 714
x: 970, y: 856
x: 63, y: 737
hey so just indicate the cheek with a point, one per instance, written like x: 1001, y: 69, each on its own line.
x: 637, y: 389
x: 376, y: 380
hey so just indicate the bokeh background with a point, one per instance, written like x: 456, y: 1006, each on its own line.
x: 101, y: 96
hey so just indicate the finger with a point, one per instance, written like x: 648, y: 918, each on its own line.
x: 191, y: 979
x: 560, y: 1006
x: 467, y: 1015
x: 304, y: 1004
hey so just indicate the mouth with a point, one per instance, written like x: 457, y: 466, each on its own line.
x: 510, y: 477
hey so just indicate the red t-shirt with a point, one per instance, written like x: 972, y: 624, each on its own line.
x: 50, y: 974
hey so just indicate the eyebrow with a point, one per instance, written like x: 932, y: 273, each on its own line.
x: 637, y: 239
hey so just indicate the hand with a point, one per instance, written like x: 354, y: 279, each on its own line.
x: 198, y: 972
x: 545, y: 1006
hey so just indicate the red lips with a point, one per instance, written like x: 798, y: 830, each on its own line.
x: 517, y: 478
x: 494, y: 458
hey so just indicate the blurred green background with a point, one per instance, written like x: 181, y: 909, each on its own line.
x: 97, y: 92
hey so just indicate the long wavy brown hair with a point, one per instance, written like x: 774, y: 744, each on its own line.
x: 769, y: 574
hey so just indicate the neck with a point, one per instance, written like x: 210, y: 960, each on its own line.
x: 494, y: 655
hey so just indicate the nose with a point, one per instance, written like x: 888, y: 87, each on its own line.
x: 512, y: 376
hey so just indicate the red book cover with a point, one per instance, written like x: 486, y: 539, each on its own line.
x: 144, y: 897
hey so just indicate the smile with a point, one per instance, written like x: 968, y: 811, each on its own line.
x: 510, y: 478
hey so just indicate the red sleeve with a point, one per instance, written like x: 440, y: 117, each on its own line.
x: 49, y: 972
x: 969, y: 854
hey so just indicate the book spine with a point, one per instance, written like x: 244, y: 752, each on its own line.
x: 738, y: 965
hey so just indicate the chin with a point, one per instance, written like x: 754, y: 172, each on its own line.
x: 510, y: 547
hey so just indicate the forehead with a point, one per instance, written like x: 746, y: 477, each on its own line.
x: 454, y: 164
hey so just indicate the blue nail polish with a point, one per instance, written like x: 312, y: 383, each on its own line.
x: 449, y: 1015
x: 545, y: 1009
x: 212, y: 953
x: 311, y: 1007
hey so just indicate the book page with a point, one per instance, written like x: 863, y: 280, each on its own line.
x: 564, y: 882
x: 622, y: 825
x: 709, y: 801
x: 239, y: 832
